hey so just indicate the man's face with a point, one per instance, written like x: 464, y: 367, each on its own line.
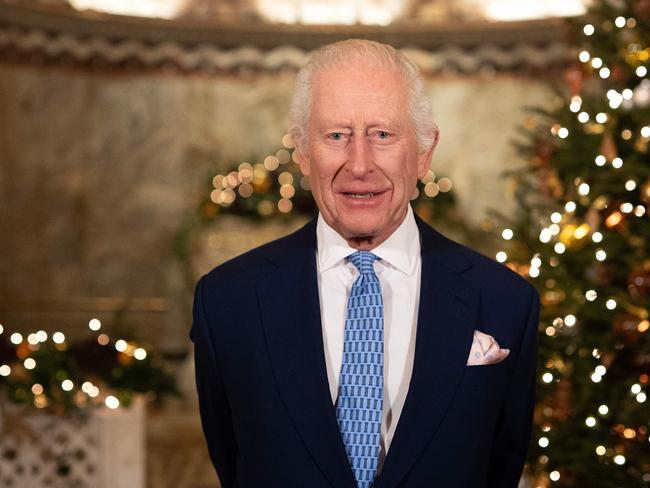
x: 360, y: 152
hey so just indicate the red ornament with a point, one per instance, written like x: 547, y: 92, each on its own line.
x: 608, y: 147
x: 575, y: 79
x: 625, y: 328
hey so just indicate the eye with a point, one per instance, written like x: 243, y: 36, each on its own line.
x: 336, y: 136
x: 382, y: 134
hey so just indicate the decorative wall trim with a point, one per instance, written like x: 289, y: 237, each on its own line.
x: 31, y: 34
x: 212, y: 58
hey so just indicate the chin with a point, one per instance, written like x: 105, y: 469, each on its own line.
x: 359, y: 231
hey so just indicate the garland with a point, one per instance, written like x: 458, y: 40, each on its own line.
x: 50, y: 373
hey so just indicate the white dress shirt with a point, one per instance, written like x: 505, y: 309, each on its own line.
x: 398, y: 269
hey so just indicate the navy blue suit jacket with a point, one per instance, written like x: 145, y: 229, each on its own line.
x: 263, y: 391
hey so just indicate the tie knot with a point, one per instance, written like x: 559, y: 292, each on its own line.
x: 363, y: 260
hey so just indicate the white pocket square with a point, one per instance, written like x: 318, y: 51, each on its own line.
x: 485, y: 350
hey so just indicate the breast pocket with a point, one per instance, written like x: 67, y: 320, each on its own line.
x: 487, y: 374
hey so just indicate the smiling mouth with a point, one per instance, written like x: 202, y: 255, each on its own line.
x: 362, y: 195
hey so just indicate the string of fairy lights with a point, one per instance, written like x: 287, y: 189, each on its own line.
x: 563, y: 229
x: 85, y: 392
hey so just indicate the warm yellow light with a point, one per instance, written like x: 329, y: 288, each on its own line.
x: 629, y: 433
x: 285, y: 205
x: 287, y: 191
x: 613, y: 219
x: 112, y: 402
x: 271, y: 163
x: 285, y: 178
x: 445, y: 184
x: 431, y: 189
x: 287, y: 141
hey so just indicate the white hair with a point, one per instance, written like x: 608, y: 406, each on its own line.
x: 366, y: 53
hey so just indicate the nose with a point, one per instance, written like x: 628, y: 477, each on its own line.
x: 359, y: 161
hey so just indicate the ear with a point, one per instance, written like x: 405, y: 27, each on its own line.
x: 302, y: 156
x: 424, y: 157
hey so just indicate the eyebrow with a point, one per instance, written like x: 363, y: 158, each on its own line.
x: 377, y: 123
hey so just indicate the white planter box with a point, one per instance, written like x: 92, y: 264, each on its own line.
x: 105, y: 448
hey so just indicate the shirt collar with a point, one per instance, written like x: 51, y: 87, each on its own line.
x: 400, y: 250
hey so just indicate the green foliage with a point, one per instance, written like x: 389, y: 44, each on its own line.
x: 112, y: 372
x: 590, y: 261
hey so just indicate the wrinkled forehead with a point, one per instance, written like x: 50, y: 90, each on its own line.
x: 359, y: 91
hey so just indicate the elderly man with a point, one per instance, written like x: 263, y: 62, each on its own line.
x: 365, y: 349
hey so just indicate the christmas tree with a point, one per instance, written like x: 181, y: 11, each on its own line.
x: 582, y: 237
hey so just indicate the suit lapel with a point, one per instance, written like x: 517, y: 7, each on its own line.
x: 446, y: 318
x: 290, y: 310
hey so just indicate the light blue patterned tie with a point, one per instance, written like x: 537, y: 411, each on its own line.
x: 361, y: 383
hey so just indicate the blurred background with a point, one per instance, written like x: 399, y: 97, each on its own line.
x: 143, y: 142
